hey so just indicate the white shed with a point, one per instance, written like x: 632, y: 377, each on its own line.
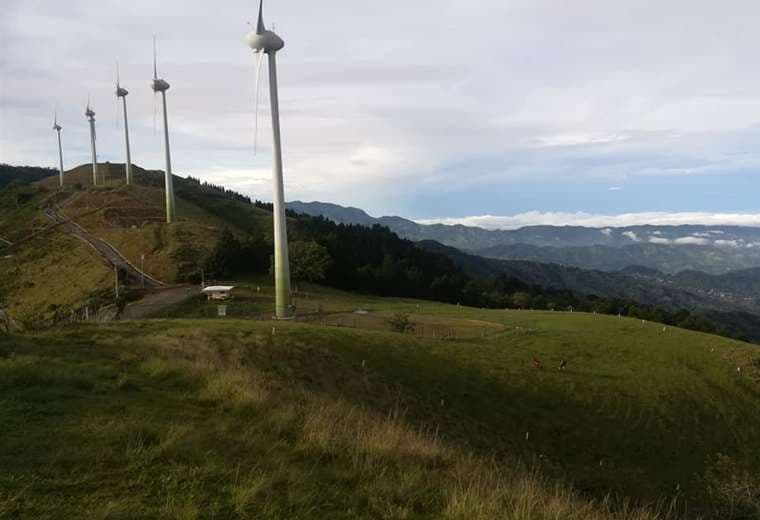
x: 218, y: 292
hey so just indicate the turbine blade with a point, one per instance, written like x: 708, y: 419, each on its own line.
x: 260, y: 25
x: 55, y: 118
x: 154, y: 111
x: 257, y: 95
x: 117, y: 76
x: 155, y: 66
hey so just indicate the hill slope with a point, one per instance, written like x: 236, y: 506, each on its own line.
x: 727, y: 299
x: 53, y: 271
x: 23, y: 174
x: 224, y: 418
x: 130, y: 221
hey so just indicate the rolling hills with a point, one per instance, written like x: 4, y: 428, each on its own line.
x: 713, y: 249
x: 129, y: 220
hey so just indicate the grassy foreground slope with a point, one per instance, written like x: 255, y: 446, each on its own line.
x: 247, y: 419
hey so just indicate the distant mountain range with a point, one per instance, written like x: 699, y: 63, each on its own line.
x: 670, y: 249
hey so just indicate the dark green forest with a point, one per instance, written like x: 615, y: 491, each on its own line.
x: 376, y: 261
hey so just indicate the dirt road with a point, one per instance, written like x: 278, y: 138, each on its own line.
x: 106, y: 250
x: 154, y: 303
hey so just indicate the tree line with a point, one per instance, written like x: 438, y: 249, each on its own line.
x: 375, y: 260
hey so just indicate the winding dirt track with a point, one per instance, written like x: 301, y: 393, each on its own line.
x: 106, y: 250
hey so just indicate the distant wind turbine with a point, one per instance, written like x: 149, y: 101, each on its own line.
x: 90, y: 114
x: 58, y: 129
x: 159, y: 85
x: 267, y: 42
x: 122, y: 93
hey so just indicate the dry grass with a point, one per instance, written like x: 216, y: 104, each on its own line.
x: 169, y: 419
x: 404, y: 470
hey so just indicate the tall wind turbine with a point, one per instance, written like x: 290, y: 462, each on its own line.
x: 90, y: 114
x: 58, y: 129
x: 159, y: 85
x: 267, y: 42
x: 122, y: 93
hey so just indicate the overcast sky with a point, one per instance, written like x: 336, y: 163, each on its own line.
x: 428, y: 110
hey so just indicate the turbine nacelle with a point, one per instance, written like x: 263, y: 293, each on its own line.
x: 265, y: 41
x: 120, y: 91
x: 57, y: 127
x: 261, y: 39
x: 89, y: 113
x: 159, y: 85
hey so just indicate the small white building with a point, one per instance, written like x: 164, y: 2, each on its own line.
x: 218, y: 292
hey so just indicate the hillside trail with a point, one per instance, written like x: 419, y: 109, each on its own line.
x: 108, y: 252
x: 154, y: 303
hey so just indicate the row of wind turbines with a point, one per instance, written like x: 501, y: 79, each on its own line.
x: 263, y: 42
x: 159, y: 86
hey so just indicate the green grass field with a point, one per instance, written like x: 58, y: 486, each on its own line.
x: 232, y: 418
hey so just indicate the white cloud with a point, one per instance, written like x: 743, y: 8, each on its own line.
x: 615, y: 188
x: 729, y: 243
x: 606, y: 232
x: 377, y: 95
x: 660, y: 240
x: 692, y: 240
x: 602, y: 221
x: 630, y: 234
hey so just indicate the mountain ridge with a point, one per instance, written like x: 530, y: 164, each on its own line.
x: 712, y: 249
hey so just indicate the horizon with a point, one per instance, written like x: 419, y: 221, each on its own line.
x: 547, y: 119
x: 527, y: 219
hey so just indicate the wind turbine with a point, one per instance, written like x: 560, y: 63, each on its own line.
x: 267, y: 42
x: 122, y: 93
x: 90, y: 115
x: 160, y: 85
x: 58, y: 129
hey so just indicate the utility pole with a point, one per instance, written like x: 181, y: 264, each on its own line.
x: 203, y: 279
x: 116, y: 280
x: 142, y: 270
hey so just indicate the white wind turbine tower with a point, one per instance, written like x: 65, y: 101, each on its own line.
x: 160, y: 85
x: 267, y: 42
x: 122, y: 93
x: 58, y: 129
x: 90, y: 114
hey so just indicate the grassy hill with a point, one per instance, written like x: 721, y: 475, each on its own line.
x: 51, y: 270
x: 131, y: 220
x: 200, y: 418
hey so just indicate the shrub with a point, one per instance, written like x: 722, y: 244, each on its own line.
x: 400, y: 322
x: 733, y: 488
